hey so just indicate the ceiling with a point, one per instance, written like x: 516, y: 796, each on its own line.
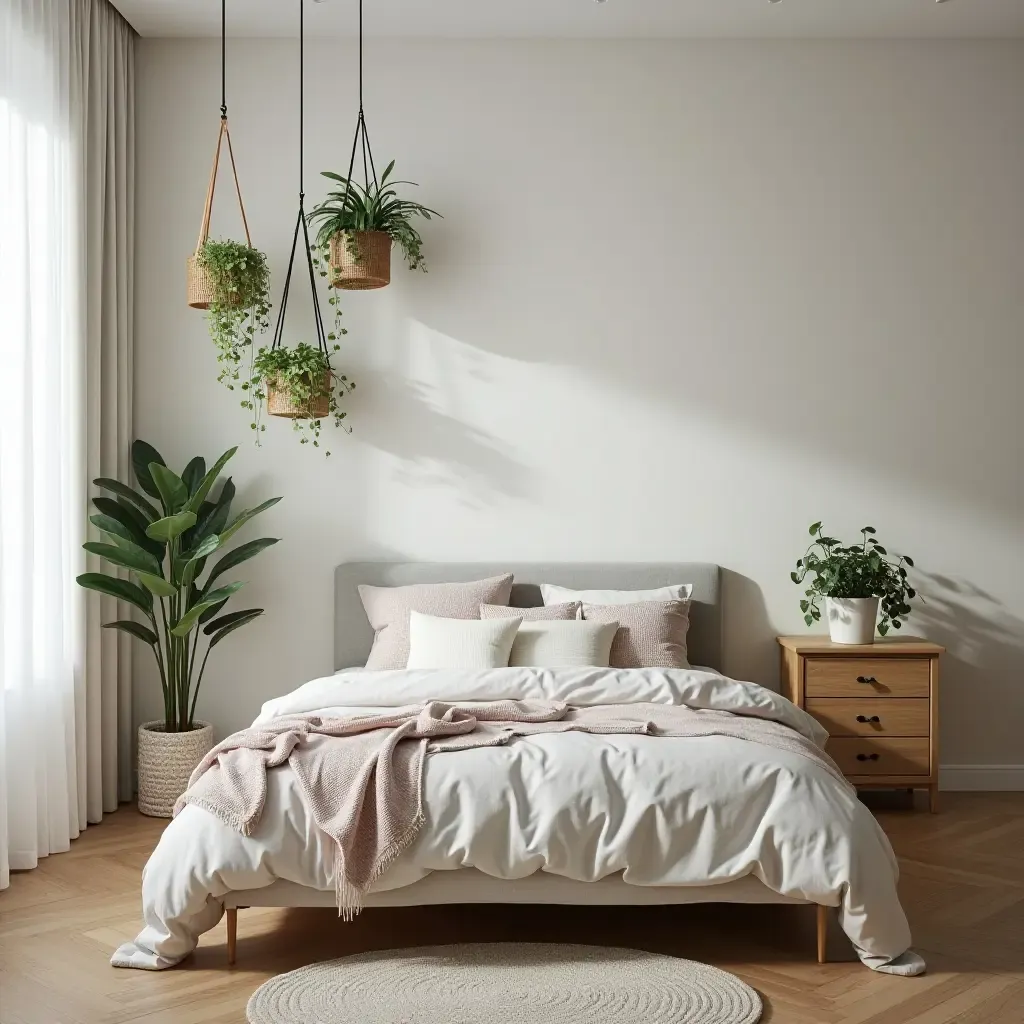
x: 587, y: 18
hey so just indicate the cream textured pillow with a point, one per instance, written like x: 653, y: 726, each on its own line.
x: 569, y: 610
x: 388, y: 610
x: 562, y: 644
x: 460, y: 643
x: 651, y: 634
x: 555, y: 595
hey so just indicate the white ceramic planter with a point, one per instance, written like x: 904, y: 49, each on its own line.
x: 851, y: 620
x: 166, y: 762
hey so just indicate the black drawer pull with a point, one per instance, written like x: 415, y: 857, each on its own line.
x: 864, y: 718
x: 867, y: 757
x: 866, y: 679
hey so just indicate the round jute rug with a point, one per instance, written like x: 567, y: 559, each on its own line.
x: 505, y: 983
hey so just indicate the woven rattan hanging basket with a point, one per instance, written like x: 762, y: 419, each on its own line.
x: 281, y: 403
x: 370, y: 269
x: 200, y: 289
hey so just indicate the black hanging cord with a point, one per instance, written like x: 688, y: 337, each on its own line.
x: 300, y: 220
x: 361, y: 135
x: 302, y: 100
x: 223, y: 60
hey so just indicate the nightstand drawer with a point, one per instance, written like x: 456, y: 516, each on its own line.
x: 892, y: 755
x: 866, y: 677
x: 884, y: 716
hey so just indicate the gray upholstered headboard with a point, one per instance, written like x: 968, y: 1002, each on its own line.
x: 353, y: 635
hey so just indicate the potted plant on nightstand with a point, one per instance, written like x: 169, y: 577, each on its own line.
x: 166, y: 548
x: 853, y: 580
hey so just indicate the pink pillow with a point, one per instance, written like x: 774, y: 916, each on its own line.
x: 651, y: 634
x: 569, y: 610
x: 388, y: 610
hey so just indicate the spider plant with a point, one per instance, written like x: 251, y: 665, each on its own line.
x: 374, y: 206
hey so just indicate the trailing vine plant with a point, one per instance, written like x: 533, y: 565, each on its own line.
x: 240, y: 306
x: 305, y: 375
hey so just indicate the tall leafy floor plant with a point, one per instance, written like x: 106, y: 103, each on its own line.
x: 166, y: 547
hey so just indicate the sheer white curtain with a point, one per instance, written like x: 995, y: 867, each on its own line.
x: 66, y: 202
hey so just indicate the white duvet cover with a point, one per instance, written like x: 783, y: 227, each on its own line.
x: 662, y: 811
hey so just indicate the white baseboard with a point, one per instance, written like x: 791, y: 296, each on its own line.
x: 979, y: 778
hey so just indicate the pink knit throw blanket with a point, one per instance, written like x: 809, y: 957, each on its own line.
x: 362, y: 776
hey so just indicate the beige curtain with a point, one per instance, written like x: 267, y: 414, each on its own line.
x: 66, y: 269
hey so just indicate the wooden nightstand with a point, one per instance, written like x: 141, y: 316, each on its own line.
x: 879, y: 702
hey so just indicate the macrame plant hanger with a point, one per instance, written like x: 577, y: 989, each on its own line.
x: 283, y: 407
x: 370, y: 265
x: 200, y: 288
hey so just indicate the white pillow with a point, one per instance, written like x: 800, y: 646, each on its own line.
x: 558, y: 595
x: 563, y: 643
x: 459, y: 643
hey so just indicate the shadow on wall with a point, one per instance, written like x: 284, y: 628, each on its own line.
x: 984, y: 649
x: 403, y: 417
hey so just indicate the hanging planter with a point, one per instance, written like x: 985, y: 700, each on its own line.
x: 229, y: 279
x: 358, y: 224
x: 300, y: 383
x: 360, y: 259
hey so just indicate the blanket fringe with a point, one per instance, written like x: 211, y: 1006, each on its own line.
x: 349, y: 899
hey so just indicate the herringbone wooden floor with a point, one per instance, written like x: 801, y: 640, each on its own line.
x: 962, y: 886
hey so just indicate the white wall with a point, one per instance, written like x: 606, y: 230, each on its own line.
x: 686, y: 298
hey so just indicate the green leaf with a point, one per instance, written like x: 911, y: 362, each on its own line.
x: 136, y: 629
x: 187, y: 621
x: 212, y: 611
x: 209, y: 480
x: 123, y: 590
x: 172, y: 526
x: 173, y: 492
x: 111, y: 526
x: 143, y: 455
x: 157, y: 584
x: 240, y: 554
x: 909, y: 561
x: 220, y: 628
x: 133, y: 557
x: 793, y: 576
x: 124, y: 491
x: 240, y: 520
x: 193, y: 474
x: 814, y: 528
x: 206, y: 547
x: 131, y: 519
x: 808, y: 619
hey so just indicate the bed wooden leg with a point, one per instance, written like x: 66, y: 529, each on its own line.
x: 232, y: 922
x: 822, y: 934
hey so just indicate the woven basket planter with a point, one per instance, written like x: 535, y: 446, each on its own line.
x: 279, y: 402
x: 166, y: 763
x: 373, y: 267
x: 200, y: 287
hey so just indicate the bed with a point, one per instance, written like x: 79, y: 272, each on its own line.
x: 881, y: 928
